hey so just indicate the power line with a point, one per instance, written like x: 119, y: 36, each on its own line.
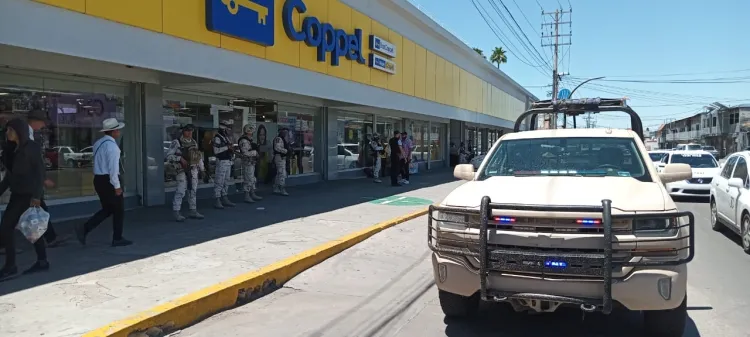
x: 503, y: 39
x: 679, y: 74
x: 533, y: 52
x: 523, y: 33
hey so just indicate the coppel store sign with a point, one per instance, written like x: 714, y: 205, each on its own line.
x: 253, y: 20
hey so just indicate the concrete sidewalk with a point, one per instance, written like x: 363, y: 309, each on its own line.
x: 94, y: 285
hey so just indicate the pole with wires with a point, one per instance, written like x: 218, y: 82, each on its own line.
x: 553, y: 40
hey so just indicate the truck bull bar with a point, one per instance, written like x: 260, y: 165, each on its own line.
x: 599, y: 265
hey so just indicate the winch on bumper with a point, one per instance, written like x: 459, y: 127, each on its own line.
x: 607, y: 260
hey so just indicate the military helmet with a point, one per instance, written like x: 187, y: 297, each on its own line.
x: 226, y: 124
x: 188, y: 127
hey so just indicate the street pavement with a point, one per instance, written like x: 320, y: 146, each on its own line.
x: 92, y: 286
x: 384, y: 287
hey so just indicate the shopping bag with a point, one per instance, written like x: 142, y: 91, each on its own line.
x: 413, y: 168
x: 33, y: 223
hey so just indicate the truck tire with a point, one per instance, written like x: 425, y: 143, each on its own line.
x: 666, y: 323
x: 458, y: 306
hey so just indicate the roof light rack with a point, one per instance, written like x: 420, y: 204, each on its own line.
x: 579, y: 106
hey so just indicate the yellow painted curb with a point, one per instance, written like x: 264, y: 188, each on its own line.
x: 241, y: 289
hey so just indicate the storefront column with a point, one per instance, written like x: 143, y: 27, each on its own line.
x: 152, y: 123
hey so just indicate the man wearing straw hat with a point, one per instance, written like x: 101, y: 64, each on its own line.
x: 107, y: 183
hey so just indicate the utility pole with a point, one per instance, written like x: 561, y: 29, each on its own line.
x: 553, y: 40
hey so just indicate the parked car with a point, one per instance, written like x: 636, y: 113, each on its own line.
x: 712, y: 150
x: 348, y: 155
x: 730, y: 200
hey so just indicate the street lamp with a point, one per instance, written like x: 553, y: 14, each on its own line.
x: 584, y: 82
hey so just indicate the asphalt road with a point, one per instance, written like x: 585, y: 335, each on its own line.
x: 384, y: 287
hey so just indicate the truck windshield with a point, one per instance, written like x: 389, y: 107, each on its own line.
x: 695, y: 160
x: 585, y: 156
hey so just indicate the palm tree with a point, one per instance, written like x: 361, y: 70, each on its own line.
x: 480, y: 52
x: 498, y: 56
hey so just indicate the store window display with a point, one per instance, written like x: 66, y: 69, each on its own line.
x: 75, y: 117
x: 419, y: 136
x: 437, y: 132
x: 354, y: 134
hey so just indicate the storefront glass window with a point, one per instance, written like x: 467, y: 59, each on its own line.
x: 418, y: 132
x: 436, y: 141
x: 354, y: 132
x: 76, y: 111
x: 267, y: 117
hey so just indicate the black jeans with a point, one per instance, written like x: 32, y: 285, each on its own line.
x: 50, y: 235
x: 13, y: 211
x: 404, y: 169
x: 395, y: 170
x: 112, y: 205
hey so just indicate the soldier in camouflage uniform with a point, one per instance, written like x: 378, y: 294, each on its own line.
x: 224, y: 153
x: 186, y: 159
x: 249, y: 154
x: 280, y: 151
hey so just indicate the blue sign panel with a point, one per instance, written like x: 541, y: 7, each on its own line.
x: 382, y: 63
x: 382, y: 46
x: 250, y: 20
x: 322, y: 35
x: 563, y: 94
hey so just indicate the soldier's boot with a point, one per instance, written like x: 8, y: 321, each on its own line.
x: 255, y: 196
x: 193, y: 214
x: 282, y: 191
x: 217, y: 204
x: 377, y: 180
x: 248, y: 198
x: 226, y: 202
x: 178, y: 217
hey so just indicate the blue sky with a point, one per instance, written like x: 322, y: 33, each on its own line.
x: 631, y: 40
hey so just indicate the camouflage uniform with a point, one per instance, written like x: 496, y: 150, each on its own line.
x: 186, y: 149
x: 249, y: 153
x: 224, y: 152
x: 280, y: 150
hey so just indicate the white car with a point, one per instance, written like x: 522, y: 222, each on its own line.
x: 704, y: 167
x: 730, y: 200
x: 657, y: 155
x: 689, y: 147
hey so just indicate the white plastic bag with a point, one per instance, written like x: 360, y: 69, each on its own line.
x: 33, y: 223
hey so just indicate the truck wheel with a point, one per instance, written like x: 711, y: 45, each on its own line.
x: 458, y: 306
x: 666, y: 323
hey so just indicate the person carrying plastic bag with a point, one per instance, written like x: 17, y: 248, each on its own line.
x: 25, y: 179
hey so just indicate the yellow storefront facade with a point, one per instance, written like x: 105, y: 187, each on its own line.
x: 335, y: 72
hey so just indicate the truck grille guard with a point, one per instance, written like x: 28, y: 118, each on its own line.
x: 503, y: 260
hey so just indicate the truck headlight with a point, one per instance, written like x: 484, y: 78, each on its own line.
x: 668, y: 226
x: 452, y: 221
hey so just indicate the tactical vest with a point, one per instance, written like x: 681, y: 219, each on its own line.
x: 189, y: 151
x: 285, y: 146
x: 226, y: 155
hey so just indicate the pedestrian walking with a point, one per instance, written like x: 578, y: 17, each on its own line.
x: 25, y: 179
x: 375, y: 149
x: 38, y: 120
x: 395, y: 145
x: 107, y: 184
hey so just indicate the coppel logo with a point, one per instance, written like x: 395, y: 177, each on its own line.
x: 250, y: 20
x: 322, y: 35
x: 377, y: 43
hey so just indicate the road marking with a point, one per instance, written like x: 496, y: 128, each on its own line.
x: 392, y: 200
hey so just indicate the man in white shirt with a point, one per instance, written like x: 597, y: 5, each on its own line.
x: 107, y: 185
